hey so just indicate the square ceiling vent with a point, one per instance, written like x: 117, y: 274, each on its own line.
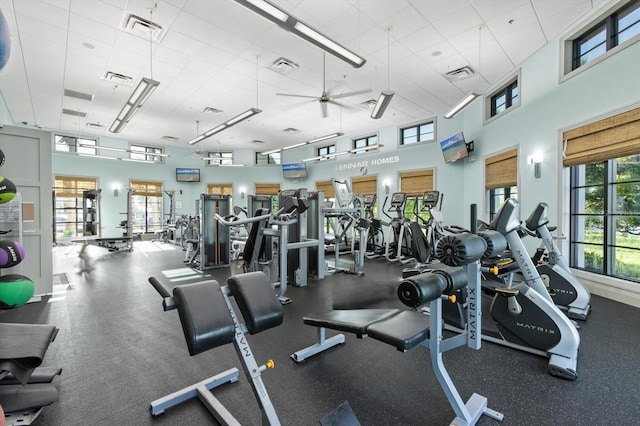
x: 283, y: 66
x: 459, y: 74
x: 141, y: 27
x: 118, y: 79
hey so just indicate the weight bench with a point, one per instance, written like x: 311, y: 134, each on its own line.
x: 25, y: 387
x: 208, y: 320
x: 406, y: 329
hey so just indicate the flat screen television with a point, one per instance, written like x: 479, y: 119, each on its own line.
x: 454, y: 148
x: 294, y: 170
x: 184, y: 174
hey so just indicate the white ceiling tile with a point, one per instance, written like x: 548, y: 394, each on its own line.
x: 44, y: 12
x: 92, y: 29
x: 194, y: 27
x: 380, y: 10
x: 458, y: 22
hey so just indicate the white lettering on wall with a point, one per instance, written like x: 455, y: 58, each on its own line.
x: 366, y: 163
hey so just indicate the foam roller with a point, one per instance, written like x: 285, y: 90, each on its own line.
x: 421, y: 289
x: 496, y: 243
x: 460, y: 249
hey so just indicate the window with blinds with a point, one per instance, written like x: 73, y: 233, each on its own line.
x: 327, y: 187
x: 146, y: 206
x: 416, y: 182
x: 612, y: 137
x: 364, y: 185
x: 267, y: 188
x: 501, y: 170
x: 68, y: 220
x: 220, y: 188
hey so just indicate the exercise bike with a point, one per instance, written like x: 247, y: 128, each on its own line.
x: 565, y: 289
x: 520, y: 315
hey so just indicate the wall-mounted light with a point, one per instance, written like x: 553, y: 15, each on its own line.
x: 536, y: 159
x: 387, y: 185
x: 116, y: 188
x: 243, y: 191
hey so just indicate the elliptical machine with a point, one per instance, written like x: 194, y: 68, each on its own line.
x: 523, y: 316
x: 398, y: 239
x: 565, y: 290
x: 374, y: 234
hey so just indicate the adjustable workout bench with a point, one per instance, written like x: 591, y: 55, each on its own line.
x: 208, y: 321
x: 407, y: 329
x: 25, y: 387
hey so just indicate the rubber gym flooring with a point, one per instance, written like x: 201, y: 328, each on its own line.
x: 119, y: 350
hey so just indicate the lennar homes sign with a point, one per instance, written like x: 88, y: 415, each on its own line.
x: 368, y: 163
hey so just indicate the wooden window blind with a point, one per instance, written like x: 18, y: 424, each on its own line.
x: 220, y: 188
x: 267, y: 188
x: 146, y: 188
x: 70, y: 186
x: 364, y: 185
x: 612, y: 137
x: 417, y: 182
x: 501, y: 170
x: 327, y: 187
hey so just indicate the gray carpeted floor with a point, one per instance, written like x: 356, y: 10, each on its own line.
x: 119, y: 351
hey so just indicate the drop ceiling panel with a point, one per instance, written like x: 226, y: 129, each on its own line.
x: 93, y: 29
x: 45, y: 13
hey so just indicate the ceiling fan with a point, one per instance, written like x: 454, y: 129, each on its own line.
x: 326, y: 98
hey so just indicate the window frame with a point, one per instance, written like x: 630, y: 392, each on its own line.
x: 276, y: 162
x: 75, y: 147
x: 416, y: 125
x: 608, y: 18
x: 149, y: 152
x: 368, y: 138
x: 325, y: 155
x: 218, y: 158
x: 510, y: 105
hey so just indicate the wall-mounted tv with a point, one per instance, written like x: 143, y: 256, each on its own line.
x: 187, y: 174
x: 454, y: 148
x: 294, y: 170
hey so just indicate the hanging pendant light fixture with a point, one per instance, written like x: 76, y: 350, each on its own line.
x: 386, y: 95
x: 467, y: 100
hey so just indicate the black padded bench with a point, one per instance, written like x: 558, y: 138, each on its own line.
x: 25, y: 387
x: 209, y: 320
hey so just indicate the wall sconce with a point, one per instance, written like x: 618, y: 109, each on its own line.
x: 536, y: 159
x: 386, y: 184
x: 243, y: 192
x: 115, y: 190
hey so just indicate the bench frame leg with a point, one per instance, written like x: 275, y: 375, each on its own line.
x: 321, y: 345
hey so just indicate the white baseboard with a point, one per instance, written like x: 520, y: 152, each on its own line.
x: 611, y: 288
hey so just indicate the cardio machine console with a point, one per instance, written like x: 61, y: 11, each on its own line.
x: 369, y: 200
x: 430, y: 199
x: 398, y: 199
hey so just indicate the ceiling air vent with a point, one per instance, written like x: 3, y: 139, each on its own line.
x: 212, y: 110
x: 459, y: 74
x: 369, y: 103
x: 291, y: 130
x: 95, y: 125
x: 74, y: 112
x: 119, y: 79
x: 283, y: 66
x: 170, y: 138
x: 78, y: 95
x: 141, y: 27
x: 257, y: 142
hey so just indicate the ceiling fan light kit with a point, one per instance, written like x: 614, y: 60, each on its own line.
x: 233, y: 121
x: 302, y: 30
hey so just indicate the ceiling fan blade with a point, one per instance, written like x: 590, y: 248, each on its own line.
x: 296, y: 96
x: 344, y: 95
x: 323, y: 106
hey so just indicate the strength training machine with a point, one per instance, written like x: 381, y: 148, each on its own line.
x: 407, y: 329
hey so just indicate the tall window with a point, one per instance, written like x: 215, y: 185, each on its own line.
x: 414, y: 184
x: 146, y: 153
x: 68, y: 215
x: 498, y: 196
x: 263, y: 160
x: 605, y: 217
x: 146, y: 206
x: 219, y: 158
x: 73, y: 144
x: 614, y: 30
x: 422, y: 132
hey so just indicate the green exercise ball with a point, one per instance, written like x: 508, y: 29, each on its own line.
x: 7, y: 190
x: 15, y: 290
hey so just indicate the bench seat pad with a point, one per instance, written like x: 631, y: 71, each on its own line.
x: 404, y: 330
x: 349, y: 320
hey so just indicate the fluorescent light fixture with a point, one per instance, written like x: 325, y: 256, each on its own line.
x: 337, y: 154
x: 218, y: 160
x: 273, y: 151
x: 139, y: 96
x: 382, y: 103
x: 290, y: 23
x: 137, y: 161
x: 324, y: 138
x: 462, y: 104
x: 108, y: 148
x: 235, y: 120
x: 104, y: 157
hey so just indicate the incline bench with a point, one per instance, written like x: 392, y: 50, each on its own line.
x: 208, y: 321
x: 407, y: 329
